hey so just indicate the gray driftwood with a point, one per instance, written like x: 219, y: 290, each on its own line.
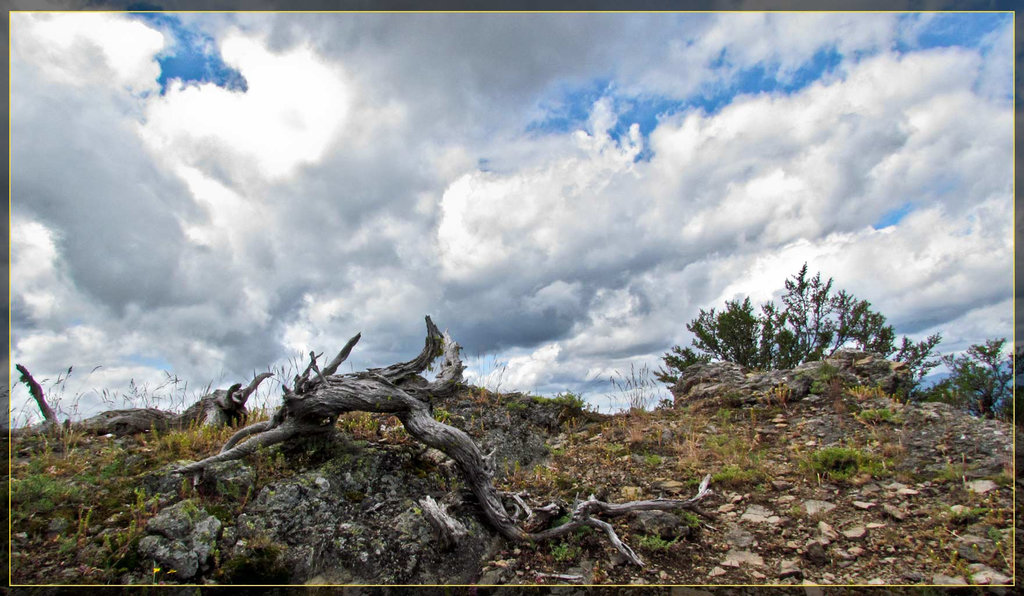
x: 220, y: 408
x: 318, y: 396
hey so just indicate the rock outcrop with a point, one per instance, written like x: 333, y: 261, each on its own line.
x: 718, y: 384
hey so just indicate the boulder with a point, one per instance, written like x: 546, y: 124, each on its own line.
x: 181, y: 539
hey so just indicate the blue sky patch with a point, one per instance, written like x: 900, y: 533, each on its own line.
x: 192, y: 57
x: 571, y: 106
x: 150, y: 361
x: 945, y: 30
x: 893, y: 216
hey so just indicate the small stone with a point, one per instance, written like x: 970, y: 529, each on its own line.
x: 785, y: 499
x: 322, y: 483
x: 865, y: 505
x: 958, y: 509
x: 913, y: 577
x: 814, y: 507
x: 672, y: 486
x: 781, y: 485
x: 815, y: 552
x: 981, y: 486
x: 908, y: 491
x: 716, y: 572
x: 790, y: 568
x: 759, y: 515
x: 757, y: 575
x: 735, y: 558
x: 877, y: 581
x: 894, y: 512
x: 827, y: 531
x: 947, y: 580
x: 985, y: 575
x: 738, y: 537
x: 726, y: 508
x: 896, y: 486
x: 875, y: 526
x: 974, y: 548
x: 855, y: 532
x: 855, y: 551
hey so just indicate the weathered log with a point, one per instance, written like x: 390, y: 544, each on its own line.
x: 315, y: 403
x: 220, y: 408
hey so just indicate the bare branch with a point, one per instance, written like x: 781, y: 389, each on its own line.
x: 332, y: 367
x: 243, y: 396
x: 37, y: 393
x: 614, y: 538
x: 312, y: 363
x: 245, y: 432
x: 265, y: 439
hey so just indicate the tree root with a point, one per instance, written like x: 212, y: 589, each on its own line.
x: 318, y: 399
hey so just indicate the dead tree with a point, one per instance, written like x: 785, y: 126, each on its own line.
x: 220, y: 408
x: 318, y: 396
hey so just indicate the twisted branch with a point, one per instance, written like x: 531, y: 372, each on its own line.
x: 391, y: 390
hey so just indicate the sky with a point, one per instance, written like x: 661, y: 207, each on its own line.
x: 202, y: 196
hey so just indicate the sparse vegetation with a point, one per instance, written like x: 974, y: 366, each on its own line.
x: 812, y: 324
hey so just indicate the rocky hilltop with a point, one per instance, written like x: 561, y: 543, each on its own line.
x: 819, y: 476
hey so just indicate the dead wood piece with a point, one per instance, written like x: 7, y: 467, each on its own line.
x: 315, y: 403
x: 128, y: 422
x: 450, y: 531
x: 49, y: 416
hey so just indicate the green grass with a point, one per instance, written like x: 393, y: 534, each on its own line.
x: 651, y: 542
x: 842, y: 463
x: 733, y: 476
x: 880, y: 415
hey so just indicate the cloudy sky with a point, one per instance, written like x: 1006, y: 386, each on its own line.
x: 215, y: 194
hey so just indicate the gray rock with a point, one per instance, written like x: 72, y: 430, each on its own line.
x: 736, y: 558
x: 894, y: 512
x: 815, y: 552
x: 182, y: 538
x: 947, y: 580
x: 230, y: 479
x: 738, y: 537
x: 760, y: 515
x: 790, y: 568
x: 729, y: 384
x: 985, y: 575
x: 663, y: 524
x: 981, y: 486
x: 814, y: 507
x: 974, y: 548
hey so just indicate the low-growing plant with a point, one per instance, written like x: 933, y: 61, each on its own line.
x: 842, y: 463
x: 733, y: 476
x: 652, y: 542
x: 880, y: 415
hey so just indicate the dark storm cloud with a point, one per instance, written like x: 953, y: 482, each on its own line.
x: 120, y: 201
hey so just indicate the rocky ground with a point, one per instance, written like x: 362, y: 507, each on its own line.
x: 841, y: 485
